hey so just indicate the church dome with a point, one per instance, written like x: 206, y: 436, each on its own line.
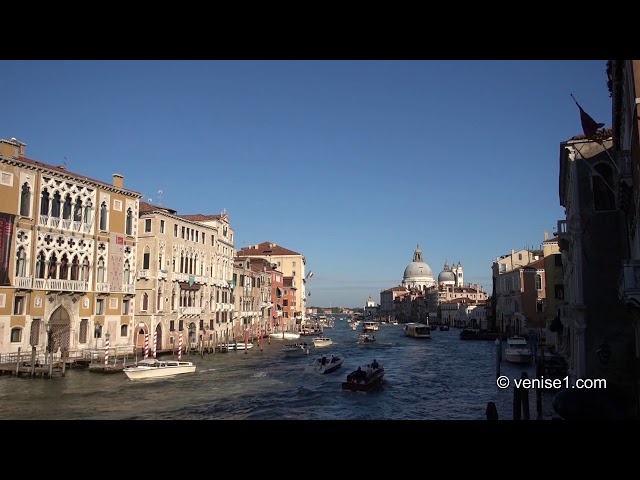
x: 417, y: 269
x: 446, y: 275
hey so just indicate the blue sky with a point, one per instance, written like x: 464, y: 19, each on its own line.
x: 351, y: 163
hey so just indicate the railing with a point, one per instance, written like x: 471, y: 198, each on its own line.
x: 191, y: 310
x: 60, y: 285
x: 103, y: 287
x: 129, y: 289
x: 23, y: 282
x: 162, y: 274
x: 144, y: 273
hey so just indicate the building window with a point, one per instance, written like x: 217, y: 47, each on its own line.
x: 145, y: 301
x: 100, y: 306
x: 101, y: 270
x: 44, y: 203
x: 127, y: 273
x: 124, y: 330
x: 75, y: 268
x: 147, y: 225
x: 16, y: 334
x: 146, y: 261
x: 19, y: 305
x: 175, y: 230
x: 97, y: 331
x: 538, y: 281
x: 103, y: 216
x: 539, y: 306
x: 172, y: 326
x: 161, y: 226
x: 557, y: 259
x: 559, y: 291
x: 84, y: 330
x: 77, y: 210
x: 125, y: 307
x: 21, y: 263
x: 604, y: 197
x: 25, y: 200
x: 66, y: 208
x: 129, y: 222
x: 88, y: 213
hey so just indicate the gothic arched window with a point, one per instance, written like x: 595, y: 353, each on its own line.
x: 25, y: 200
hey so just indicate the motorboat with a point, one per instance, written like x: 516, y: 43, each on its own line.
x: 327, y: 363
x: 154, y: 368
x: 444, y: 328
x: 364, y: 379
x: 322, y: 342
x: 370, y: 326
x: 518, y: 350
x: 239, y: 345
x: 296, y: 349
x: 366, y: 339
x: 417, y: 330
x: 285, y: 336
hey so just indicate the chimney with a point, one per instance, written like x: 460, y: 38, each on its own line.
x: 118, y: 180
x: 546, y: 234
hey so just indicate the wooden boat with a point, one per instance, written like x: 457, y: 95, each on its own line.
x: 364, y: 380
x: 154, y: 368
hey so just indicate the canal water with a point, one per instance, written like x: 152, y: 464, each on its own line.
x: 442, y: 378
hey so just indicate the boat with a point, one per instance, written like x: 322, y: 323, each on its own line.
x: 370, y: 326
x: 154, y: 368
x: 322, y: 342
x: 327, y: 363
x: 444, y: 328
x: 296, y: 349
x: 394, y: 322
x: 284, y: 336
x: 239, y: 346
x: 417, y: 330
x: 364, y: 380
x: 365, y: 339
x: 518, y: 350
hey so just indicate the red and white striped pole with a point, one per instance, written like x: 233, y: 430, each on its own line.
x: 246, y: 338
x: 155, y: 343
x: 146, y: 346
x: 106, y: 352
x: 180, y: 347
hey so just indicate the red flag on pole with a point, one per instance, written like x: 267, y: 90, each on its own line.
x: 589, y: 125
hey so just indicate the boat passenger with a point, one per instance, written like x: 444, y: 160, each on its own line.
x: 374, y: 364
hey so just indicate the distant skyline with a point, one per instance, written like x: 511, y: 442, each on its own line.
x: 364, y: 159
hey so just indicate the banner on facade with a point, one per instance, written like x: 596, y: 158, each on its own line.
x: 7, y: 221
x: 116, y: 261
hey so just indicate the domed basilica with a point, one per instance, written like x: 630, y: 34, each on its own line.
x: 418, y: 275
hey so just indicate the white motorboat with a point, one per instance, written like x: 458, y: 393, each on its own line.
x: 327, y: 363
x: 296, y: 349
x: 322, y: 342
x: 239, y: 345
x: 370, y: 326
x: 518, y: 350
x: 284, y: 336
x: 154, y: 368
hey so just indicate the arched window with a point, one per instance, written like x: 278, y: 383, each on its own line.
x: 53, y: 266
x: 44, y: 203
x: 100, y: 278
x: 538, y: 281
x: 145, y: 301
x: 25, y: 200
x: 64, y: 267
x: 75, y: 268
x: 103, y: 216
x: 21, y: 263
x: 41, y: 265
x: 124, y: 330
x: 129, y: 222
x: 77, y: 210
x: 55, y: 205
x: 84, y: 274
x: 66, y: 208
x: 88, y: 212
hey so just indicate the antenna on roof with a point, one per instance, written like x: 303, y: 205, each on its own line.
x: 160, y: 197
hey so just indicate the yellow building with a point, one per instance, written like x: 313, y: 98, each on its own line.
x: 68, y: 258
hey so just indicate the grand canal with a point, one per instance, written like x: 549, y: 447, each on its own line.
x: 442, y: 378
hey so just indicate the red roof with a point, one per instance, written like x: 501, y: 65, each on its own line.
x: 265, y: 248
